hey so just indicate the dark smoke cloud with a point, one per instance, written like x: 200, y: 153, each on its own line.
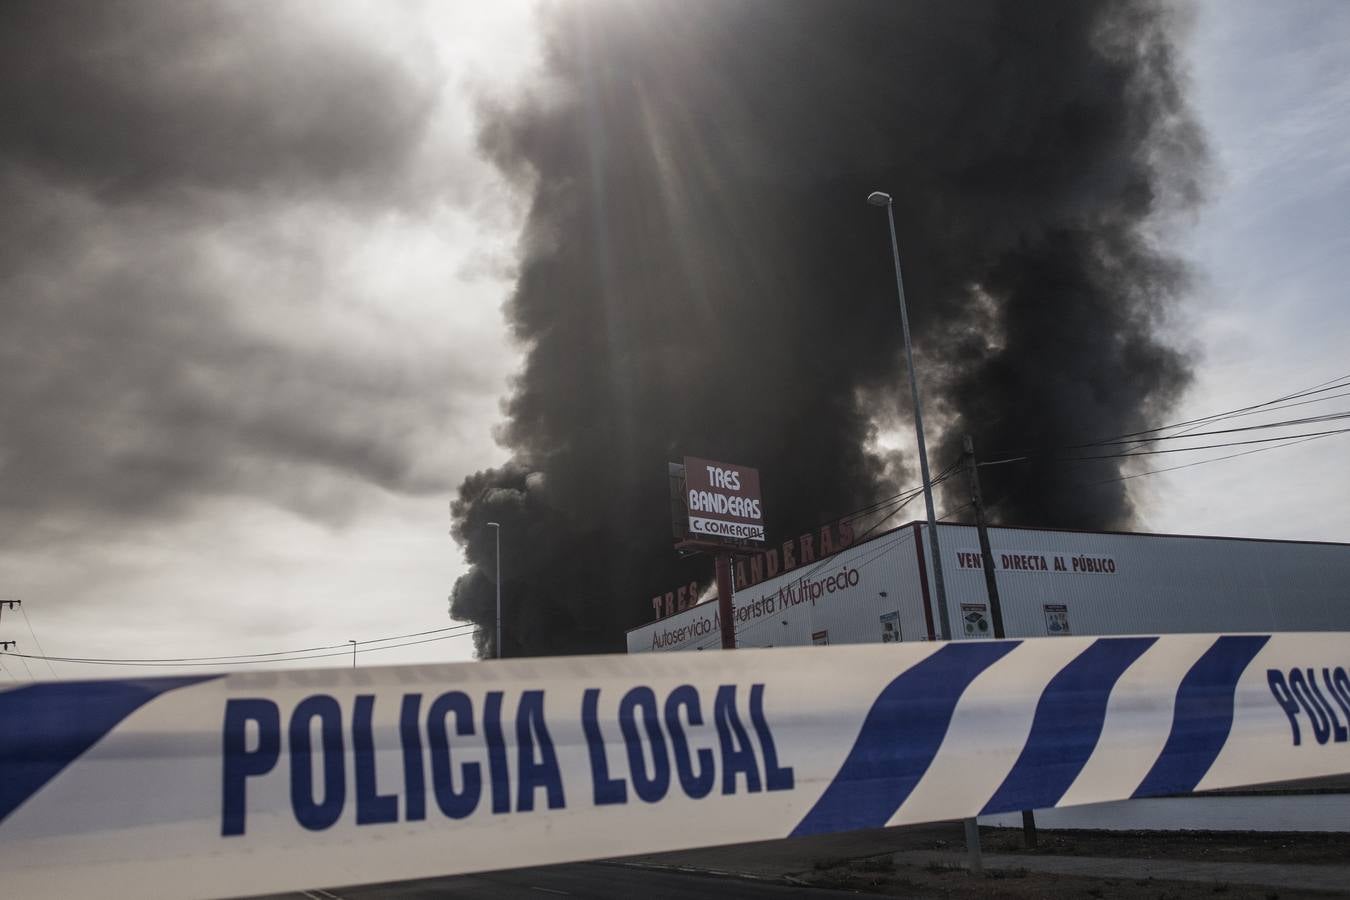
x: 127, y: 95
x: 184, y: 183
x: 699, y: 273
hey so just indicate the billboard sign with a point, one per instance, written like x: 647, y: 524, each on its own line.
x: 723, y: 500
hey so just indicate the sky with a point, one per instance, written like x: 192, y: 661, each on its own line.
x: 1268, y: 314
x: 249, y: 355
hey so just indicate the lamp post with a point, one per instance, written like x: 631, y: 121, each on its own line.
x: 353, y: 643
x: 878, y: 198
x: 496, y: 526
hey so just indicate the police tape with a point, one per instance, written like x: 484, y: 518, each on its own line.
x: 247, y: 783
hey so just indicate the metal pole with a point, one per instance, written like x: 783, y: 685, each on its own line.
x: 986, y: 552
x: 991, y: 587
x: 353, y: 643
x: 722, y: 569
x: 496, y: 526
x: 938, y: 582
x: 972, y: 826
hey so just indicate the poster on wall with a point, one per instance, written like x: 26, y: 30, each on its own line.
x: 890, y: 627
x: 1056, y: 619
x: 820, y: 638
x: 975, y: 619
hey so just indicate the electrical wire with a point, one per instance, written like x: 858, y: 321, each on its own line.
x: 36, y: 641
x: 245, y: 662
x: 1283, y: 437
x: 203, y: 659
x: 1265, y: 406
x: 1257, y: 412
x: 1287, y: 423
x: 1202, y: 462
x: 1330, y: 385
x: 950, y: 513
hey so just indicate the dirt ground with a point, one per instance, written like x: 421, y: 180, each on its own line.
x: 878, y: 875
x: 1306, y: 848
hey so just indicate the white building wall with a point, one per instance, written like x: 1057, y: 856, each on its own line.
x: 844, y: 596
x: 1134, y: 584
x: 840, y: 600
x: 1149, y: 584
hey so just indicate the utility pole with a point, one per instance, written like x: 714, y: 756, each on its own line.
x: 991, y: 587
x: 5, y: 645
x: 986, y: 554
x: 353, y: 643
x: 496, y: 527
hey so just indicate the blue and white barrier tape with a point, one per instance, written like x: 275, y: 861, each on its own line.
x: 247, y: 783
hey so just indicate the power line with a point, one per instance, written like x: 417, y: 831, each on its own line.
x: 26, y: 621
x: 1283, y: 437
x: 1291, y: 440
x: 950, y: 513
x: 903, y: 497
x: 1257, y: 412
x: 912, y: 495
x: 244, y: 662
x: 1202, y: 462
x: 1286, y: 423
x: 1265, y: 406
x: 203, y: 659
x: 1330, y: 385
x: 344, y: 645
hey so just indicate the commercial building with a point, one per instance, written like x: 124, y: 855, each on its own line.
x: 1050, y: 583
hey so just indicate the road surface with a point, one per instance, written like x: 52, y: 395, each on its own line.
x: 585, y: 881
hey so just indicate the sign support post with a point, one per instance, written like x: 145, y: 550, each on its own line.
x: 725, y: 614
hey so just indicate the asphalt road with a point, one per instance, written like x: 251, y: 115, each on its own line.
x: 597, y: 881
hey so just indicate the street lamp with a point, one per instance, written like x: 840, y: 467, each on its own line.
x: 878, y: 198
x: 496, y: 526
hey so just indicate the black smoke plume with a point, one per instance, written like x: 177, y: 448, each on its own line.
x: 700, y: 274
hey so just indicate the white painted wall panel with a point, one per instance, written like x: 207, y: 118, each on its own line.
x: 1135, y: 584
x: 1160, y: 583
